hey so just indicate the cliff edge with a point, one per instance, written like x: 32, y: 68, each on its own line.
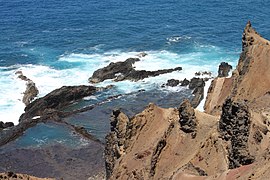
x: 250, y: 79
x: 229, y: 141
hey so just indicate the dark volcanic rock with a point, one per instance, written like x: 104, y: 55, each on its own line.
x: 202, y: 73
x: 198, y: 96
x: 172, y: 82
x: 56, y: 100
x: 6, y: 125
x: 185, y: 82
x: 224, y: 69
x: 196, y: 82
x: 113, y: 70
x: 187, y: 119
x: 139, y: 75
x: 120, y: 71
x: 197, y: 85
x: 234, y: 126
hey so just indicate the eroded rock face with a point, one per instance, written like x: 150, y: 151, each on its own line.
x: 234, y: 126
x: 115, y: 141
x: 187, y: 118
x: 224, y: 69
x: 120, y: 71
x: 157, y: 137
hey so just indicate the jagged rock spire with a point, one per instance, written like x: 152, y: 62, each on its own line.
x: 247, y: 38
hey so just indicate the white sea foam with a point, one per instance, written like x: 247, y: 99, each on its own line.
x: 178, y: 38
x: 48, y: 78
x: 206, y: 87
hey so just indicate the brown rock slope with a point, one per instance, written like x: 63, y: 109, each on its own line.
x: 184, y: 143
x: 164, y: 143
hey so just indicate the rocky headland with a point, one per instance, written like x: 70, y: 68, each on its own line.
x: 230, y: 140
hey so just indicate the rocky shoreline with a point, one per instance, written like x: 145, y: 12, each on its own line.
x: 228, y: 140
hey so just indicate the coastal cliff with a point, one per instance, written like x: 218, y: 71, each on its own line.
x: 250, y: 79
x: 230, y: 140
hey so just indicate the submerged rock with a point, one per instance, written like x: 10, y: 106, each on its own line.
x: 142, y: 54
x: 120, y: 71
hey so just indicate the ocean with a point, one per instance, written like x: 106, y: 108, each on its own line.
x: 57, y: 43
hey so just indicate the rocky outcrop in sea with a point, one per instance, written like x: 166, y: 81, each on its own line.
x: 121, y: 71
